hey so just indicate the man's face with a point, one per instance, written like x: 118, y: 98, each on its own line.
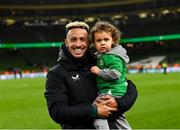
x: 77, y: 42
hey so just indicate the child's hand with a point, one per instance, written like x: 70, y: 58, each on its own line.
x: 95, y: 70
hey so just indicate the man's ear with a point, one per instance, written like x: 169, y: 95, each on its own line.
x: 66, y: 43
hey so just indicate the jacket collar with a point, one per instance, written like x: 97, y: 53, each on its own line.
x: 71, y: 63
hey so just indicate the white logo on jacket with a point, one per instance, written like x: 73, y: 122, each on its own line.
x: 75, y: 78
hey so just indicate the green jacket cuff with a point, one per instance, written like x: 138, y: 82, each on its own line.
x: 94, y: 111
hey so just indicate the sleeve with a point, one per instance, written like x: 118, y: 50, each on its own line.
x: 57, y: 98
x: 127, y: 101
x: 114, y: 67
x: 109, y: 74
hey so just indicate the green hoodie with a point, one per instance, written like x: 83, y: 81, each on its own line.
x: 112, y: 77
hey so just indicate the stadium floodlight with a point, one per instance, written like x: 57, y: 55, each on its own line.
x: 151, y: 38
x: 31, y: 45
x: 58, y: 44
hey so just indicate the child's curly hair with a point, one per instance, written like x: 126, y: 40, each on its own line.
x: 107, y: 27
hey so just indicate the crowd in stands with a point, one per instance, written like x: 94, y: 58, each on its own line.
x: 17, y: 73
x: 161, y: 67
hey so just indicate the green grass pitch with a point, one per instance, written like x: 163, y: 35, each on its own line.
x: 23, y: 106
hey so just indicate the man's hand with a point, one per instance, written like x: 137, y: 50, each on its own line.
x: 106, y: 104
x: 95, y: 70
x: 103, y: 110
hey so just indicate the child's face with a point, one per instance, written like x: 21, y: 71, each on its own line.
x: 103, y: 41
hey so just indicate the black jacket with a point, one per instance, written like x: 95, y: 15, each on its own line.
x: 71, y: 89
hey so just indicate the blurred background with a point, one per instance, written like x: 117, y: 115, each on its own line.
x: 31, y: 32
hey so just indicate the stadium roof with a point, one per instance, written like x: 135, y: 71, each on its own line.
x: 73, y: 9
x: 24, y: 14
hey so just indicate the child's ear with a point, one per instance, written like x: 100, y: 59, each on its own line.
x: 114, y: 39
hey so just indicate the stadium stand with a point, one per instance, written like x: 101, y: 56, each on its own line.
x: 41, y: 21
x: 150, y: 61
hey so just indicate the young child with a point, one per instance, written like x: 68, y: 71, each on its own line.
x: 111, y: 63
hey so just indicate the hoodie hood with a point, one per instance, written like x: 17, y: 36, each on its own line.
x: 61, y: 54
x: 120, y: 51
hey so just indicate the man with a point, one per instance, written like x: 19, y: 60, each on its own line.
x: 71, y: 87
